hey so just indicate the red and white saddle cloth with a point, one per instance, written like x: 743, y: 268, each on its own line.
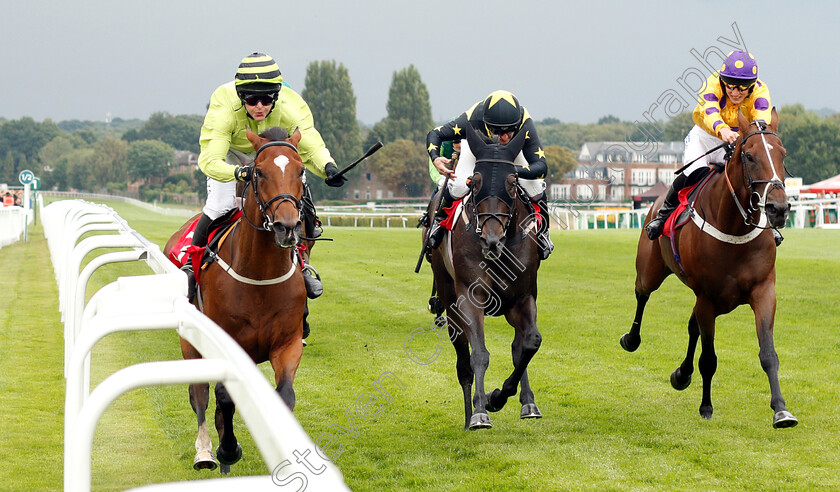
x: 184, y: 251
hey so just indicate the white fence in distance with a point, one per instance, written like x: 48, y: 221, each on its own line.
x: 154, y: 302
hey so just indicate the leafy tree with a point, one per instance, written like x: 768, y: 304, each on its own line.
x: 108, y: 163
x: 181, y: 132
x: 403, y: 165
x: 25, y: 137
x: 560, y: 160
x: 812, y: 143
x: 149, y: 159
x: 7, y: 167
x: 409, y: 111
x: 330, y: 96
x: 604, y: 120
x: 678, y: 127
x: 53, y: 159
x: 79, y: 173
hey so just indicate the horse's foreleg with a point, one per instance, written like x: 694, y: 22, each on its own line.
x: 526, y: 342
x: 285, y: 362
x: 229, y: 450
x: 199, y: 398
x: 763, y: 303
x: 479, y: 360
x: 681, y: 377
x: 464, y: 369
x: 704, y: 312
x: 630, y: 341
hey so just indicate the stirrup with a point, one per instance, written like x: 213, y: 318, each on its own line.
x: 314, y: 287
x: 546, y: 246
x: 436, y: 232
x: 191, y: 285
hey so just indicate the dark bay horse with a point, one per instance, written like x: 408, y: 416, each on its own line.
x: 727, y: 257
x: 488, y: 267
x: 255, y: 290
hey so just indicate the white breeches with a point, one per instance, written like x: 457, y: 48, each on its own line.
x: 697, y: 143
x: 466, y: 168
x: 221, y: 195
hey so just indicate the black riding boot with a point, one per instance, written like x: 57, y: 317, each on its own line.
x: 436, y: 231
x: 654, y: 227
x: 199, y: 239
x: 312, y: 230
x: 543, y: 237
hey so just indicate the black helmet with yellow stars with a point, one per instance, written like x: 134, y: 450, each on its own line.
x: 258, y: 73
x: 502, y: 112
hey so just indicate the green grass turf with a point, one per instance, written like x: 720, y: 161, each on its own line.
x: 612, y: 421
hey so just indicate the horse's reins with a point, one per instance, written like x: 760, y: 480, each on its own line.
x: 264, y: 206
x: 770, y: 184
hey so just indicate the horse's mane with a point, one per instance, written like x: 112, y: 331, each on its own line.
x: 275, y: 133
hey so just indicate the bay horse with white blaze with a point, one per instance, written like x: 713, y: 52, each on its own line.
x: 726, y: 254
x: 487, y: 266
x: 254, y: 288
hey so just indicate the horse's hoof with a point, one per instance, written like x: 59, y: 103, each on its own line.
x: 224, y: 469
x: 493, y: 403
x: 629, y: 345
x: 705, y: 412
x: 229, y: 458
x: 480, y: 421
x: 530, y: 411
x: 675, y: 381
x: 784, y: 419
x: 204, y: 460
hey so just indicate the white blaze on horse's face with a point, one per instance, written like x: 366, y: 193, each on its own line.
x: 281, y: 161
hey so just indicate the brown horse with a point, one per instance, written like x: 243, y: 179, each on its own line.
x: 255, y: 290
x: 725, y: 269
x: 488, y: 267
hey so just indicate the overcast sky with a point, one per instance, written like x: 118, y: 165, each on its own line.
x: 575, y: 61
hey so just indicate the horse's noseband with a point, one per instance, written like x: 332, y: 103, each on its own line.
x: 279, y: 199
x: 757, y: 201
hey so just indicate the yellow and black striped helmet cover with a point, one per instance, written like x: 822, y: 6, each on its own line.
x: 258, y: 67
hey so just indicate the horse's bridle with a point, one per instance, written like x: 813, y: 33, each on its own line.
x: 756, y: 201
x: 482, y: 217
x: 255, y: 182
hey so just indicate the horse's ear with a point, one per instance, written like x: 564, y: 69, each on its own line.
x: 774, y: 120
x: 518, y: 141
x: 255, y: 139
x: 295, y: 138
x: 477, y: 143
x: 743, y: 124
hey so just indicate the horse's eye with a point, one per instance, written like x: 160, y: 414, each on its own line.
x: 749, y: 157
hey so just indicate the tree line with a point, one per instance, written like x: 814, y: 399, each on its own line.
x: 97, y: 156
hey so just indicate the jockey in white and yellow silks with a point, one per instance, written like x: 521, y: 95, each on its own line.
x: 257, y: 99
x: 500, y: 115
x: 735, y: 86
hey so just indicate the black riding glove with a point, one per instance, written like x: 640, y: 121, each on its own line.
x: 243, y: 173
x: 331, y: 180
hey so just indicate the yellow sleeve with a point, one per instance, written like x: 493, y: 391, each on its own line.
x: 295, y: 113
x: 215, y: 139
x: 707, y: 113
x: 760, y: 107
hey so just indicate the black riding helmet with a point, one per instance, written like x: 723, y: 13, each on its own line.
x: 258, y: 74
x: 502, y: 112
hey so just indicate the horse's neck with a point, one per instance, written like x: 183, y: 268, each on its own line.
x: 254, y: 250
x: 717, y: 205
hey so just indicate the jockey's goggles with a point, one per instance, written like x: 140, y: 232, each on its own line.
x: 254, y: 99
x: 742, y: 88
x: 501, y: 130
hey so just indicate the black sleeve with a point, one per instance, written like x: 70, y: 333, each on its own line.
x: 533, y: 152
x: 454, y: 130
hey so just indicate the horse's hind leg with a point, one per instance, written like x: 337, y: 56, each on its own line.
x: 763, y: 303
x: 229, y: 450
x: 681, y: 377
x: 651, y: 271
x: 704, y: 312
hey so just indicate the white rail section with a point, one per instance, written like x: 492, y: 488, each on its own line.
x: 154, y: 302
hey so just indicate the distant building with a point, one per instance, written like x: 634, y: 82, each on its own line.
x: 616, y: 171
